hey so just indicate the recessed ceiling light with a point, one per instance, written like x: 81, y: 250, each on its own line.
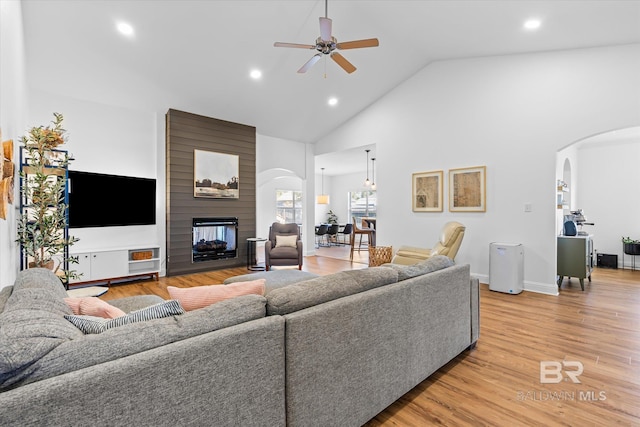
x: 532, y: 24
x: 333, y: 101
x: 255, y: 74
x: 125, y: 28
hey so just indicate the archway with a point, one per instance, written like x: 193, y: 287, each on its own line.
x: 603, y: 176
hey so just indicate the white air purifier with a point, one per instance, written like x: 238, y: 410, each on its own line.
x: 506, y: 267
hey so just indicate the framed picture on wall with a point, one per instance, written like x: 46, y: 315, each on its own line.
x: 215, y: 175
x: 467, y: 189
x: 427, y: 191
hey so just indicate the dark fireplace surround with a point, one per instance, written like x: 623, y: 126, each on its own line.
x: 214, y: 244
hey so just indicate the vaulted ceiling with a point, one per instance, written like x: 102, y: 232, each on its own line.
x: 197, y: 55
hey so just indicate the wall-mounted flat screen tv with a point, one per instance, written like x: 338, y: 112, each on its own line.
x: 100, y: 200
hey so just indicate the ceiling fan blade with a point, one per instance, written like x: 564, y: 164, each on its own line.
x: 325, y: 29
x: 356, y: 44
x: 341, y: 61
x: 298, y: 45
x: 315, y: 58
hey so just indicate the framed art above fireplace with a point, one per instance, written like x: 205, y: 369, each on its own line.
x: 215, y: 175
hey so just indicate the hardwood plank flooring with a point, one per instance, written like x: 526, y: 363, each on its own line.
x: 499, y: 383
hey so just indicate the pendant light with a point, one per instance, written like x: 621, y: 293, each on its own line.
x: 366, y: 181
x: 322, y: 199
x: 373, y: 173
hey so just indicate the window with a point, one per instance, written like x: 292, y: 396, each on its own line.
x: 362, y: 204
x: 289, y: 206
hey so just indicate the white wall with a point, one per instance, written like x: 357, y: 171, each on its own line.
x: 609, y: 185
x: 112, y: 140
x: 510, y: 113
x: 13, y: 111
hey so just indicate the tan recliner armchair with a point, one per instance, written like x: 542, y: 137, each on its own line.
x: 448, y: 245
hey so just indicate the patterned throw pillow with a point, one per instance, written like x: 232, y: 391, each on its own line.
x: 97, y: 325
x: 202, y: 296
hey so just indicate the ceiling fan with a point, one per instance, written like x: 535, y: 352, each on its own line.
x: 326, y: 44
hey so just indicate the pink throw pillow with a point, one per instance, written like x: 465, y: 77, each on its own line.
x: 93, y: 306
x: 74, y: 305
x: 202, y: 296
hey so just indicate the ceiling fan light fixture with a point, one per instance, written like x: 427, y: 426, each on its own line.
x: 327, y: 44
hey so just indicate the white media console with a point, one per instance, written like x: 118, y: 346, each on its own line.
x: 109, y: 265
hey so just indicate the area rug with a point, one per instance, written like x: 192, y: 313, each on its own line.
x: 89, y: 291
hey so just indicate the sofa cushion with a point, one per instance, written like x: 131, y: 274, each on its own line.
x: 275, y: 278
x: 435, y: 263
x: 32, y: 323
x: 202, y: 296
x: 93, y: 306
x: 97, y: 325
x: 136, y: 302
x: 315, y: 291
x: 283, y: 252
x: 5, y: 293
x: 116, y: 343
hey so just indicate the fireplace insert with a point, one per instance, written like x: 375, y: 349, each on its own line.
x: 214, y: 238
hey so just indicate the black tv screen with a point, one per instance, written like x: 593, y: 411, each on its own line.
x: 100, y: 200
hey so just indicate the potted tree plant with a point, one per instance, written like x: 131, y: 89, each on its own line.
x: 42, y: 224
x: 631, y: 246
x: 331, y: 217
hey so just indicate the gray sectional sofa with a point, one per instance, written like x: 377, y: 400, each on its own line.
x: 328, y: 351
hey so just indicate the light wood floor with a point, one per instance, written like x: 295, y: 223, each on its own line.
x: 498, y: 383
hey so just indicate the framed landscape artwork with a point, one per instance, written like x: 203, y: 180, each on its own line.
x: 427, y: 191
x: 215, y: 175
x: 467, y: 189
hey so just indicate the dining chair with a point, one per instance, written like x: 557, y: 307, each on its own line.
x: 321, y: 232
x: 332, y: 234
x: 346, y: 231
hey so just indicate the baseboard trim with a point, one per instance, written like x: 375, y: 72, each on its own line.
x: 539, y: 288
x: 542, y: 288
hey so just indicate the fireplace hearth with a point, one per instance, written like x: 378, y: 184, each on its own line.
x: 214, y: 239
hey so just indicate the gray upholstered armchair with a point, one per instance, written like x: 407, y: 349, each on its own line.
x: 284, y: 246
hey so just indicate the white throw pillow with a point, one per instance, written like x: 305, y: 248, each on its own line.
x: 291, y: 240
